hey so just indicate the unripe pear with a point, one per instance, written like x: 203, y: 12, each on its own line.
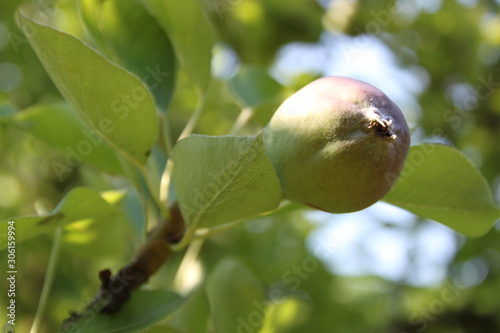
x: 337, y: 144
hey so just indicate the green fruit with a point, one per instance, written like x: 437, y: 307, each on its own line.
x: 337, y: 144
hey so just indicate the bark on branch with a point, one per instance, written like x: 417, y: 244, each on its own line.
x: 116, y: 289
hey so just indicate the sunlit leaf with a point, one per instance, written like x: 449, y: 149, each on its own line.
x: 82, y: 205
x: 285, y: 315
x: 440, y: 183
x: 110, y: 233
x: 112, y: 100
x: 146, y: 52
x: 224, y: 178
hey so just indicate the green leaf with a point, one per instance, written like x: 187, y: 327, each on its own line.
x: 253, y: 86
x: 190, y: 34
x: 146, y: 52
x: 111, y: 233
x: 220, y: 179
x: 236, y: 298
x: 58, y: 125
x: 112, y: 100
x: 80, y: 205
x: 440, y: 183
x: 142, y: 310
x: 196, y: 306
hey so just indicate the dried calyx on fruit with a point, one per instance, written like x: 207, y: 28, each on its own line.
x: 338, y: 144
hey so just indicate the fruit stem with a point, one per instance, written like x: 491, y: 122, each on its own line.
x: 382, y: 126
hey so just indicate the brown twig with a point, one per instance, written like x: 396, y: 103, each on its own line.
x: 116, y: 289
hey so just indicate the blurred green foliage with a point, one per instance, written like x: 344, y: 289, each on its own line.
x: 456, y: 43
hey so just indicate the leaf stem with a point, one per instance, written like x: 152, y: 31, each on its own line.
x: 188, y: 129
x: 154, y: 193
x: 165, y: 182
x: 245, y: 115
x: 166, y: 131
x: 48, y: 282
